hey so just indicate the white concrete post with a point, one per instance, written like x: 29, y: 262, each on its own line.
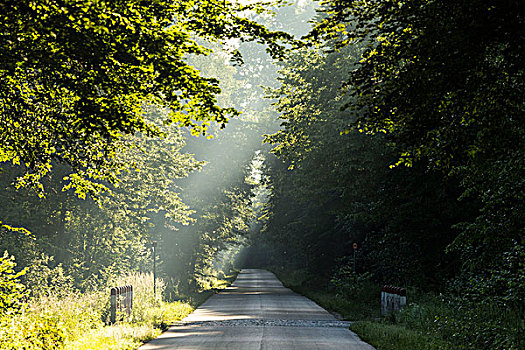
x: 113, y: 311
x: 392, y: 299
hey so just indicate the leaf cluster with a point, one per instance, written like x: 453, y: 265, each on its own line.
x: 75, y: 76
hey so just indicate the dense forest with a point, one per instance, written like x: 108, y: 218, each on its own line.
x: 274, y: 135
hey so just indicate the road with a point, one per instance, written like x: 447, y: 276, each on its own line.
x: 258, y: 312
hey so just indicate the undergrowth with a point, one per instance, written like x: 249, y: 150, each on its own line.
x: 80, y: 321
x: 427, y: 322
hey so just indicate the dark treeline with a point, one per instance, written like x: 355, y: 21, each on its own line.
x: 415, y: 156
x: 337, y: 188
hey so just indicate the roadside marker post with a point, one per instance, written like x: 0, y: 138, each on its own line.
x: 154, y: 246
x: 121, y: 301
x: 392, y: 299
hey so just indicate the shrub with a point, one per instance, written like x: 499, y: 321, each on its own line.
x: 466, y: 324
x: 44, y: 279
x: 12, y: 292
x: 32, y: 331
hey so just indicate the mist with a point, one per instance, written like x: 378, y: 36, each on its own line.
x: 231, y: 155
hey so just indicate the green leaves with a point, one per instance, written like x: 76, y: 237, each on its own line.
x: 11, y: 290
x: 75, y: 75
x: 444, y: 80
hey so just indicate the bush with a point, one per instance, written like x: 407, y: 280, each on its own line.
x: 467, y: 325
x: 12, y: 292
x: 32, y: 331
x: 427, y: 322
x: 481, y: 326
x: 44, y: 278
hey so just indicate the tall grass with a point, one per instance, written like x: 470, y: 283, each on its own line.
x: 396, y: 337
x: 466, y: 325
x: 79, y: 321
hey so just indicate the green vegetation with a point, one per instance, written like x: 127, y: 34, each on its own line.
x: 394, y: 337
x: 100, y: 159
x: 427, y: 322
x: 77, y: 320
x: 76, y: 75
x: 402, y: 130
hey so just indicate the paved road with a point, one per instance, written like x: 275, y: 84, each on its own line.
x: 257, y: 312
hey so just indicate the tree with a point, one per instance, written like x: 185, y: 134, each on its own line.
x: 74, y: 77
x: 327, y: 175
x: 336, y: 188
x: 445, y: 81
x: 97, y: 240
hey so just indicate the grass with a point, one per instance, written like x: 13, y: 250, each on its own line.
x: 347, y: 309
x: 359, y: 302
x: 116, y: 337
x: 428, y: 322
x: 80, y: 321
x: 389, y: 337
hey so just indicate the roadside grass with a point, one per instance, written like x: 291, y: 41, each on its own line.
x: 360, y: 303
x: 79, y: 321
x: 115, y: 337
x: 427, y: 322
x: 389, y: 337
x: 346, y: 308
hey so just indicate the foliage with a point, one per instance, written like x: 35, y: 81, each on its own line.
x: 390, y: 89
x: 503, y: 283
x: 92, y: 241
x: 49, y: 321
x: 115, y: 337
x: 76, y: 75
x: 95, y: 241
x: 334, y: 189
x: 32, y: 332
x: 75, y: 321
x: 144, y: 300
x: 395, y: 337
x: 465, y: 324
x: 12, y: 292
x: 44, y: 280
x: 427, y: 322
x: 451, y: 100
x: 220, y: 193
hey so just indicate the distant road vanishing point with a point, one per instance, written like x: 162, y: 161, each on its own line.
x: 258, y: 312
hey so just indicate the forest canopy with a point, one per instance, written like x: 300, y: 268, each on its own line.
x: 445, y: 82
x: 75, y: 76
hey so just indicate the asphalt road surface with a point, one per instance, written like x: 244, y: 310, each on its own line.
x: 257, y: 312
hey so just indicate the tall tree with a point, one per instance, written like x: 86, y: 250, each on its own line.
x: 96, y: 241
x: 337, y: 188
x: 445, y: 80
